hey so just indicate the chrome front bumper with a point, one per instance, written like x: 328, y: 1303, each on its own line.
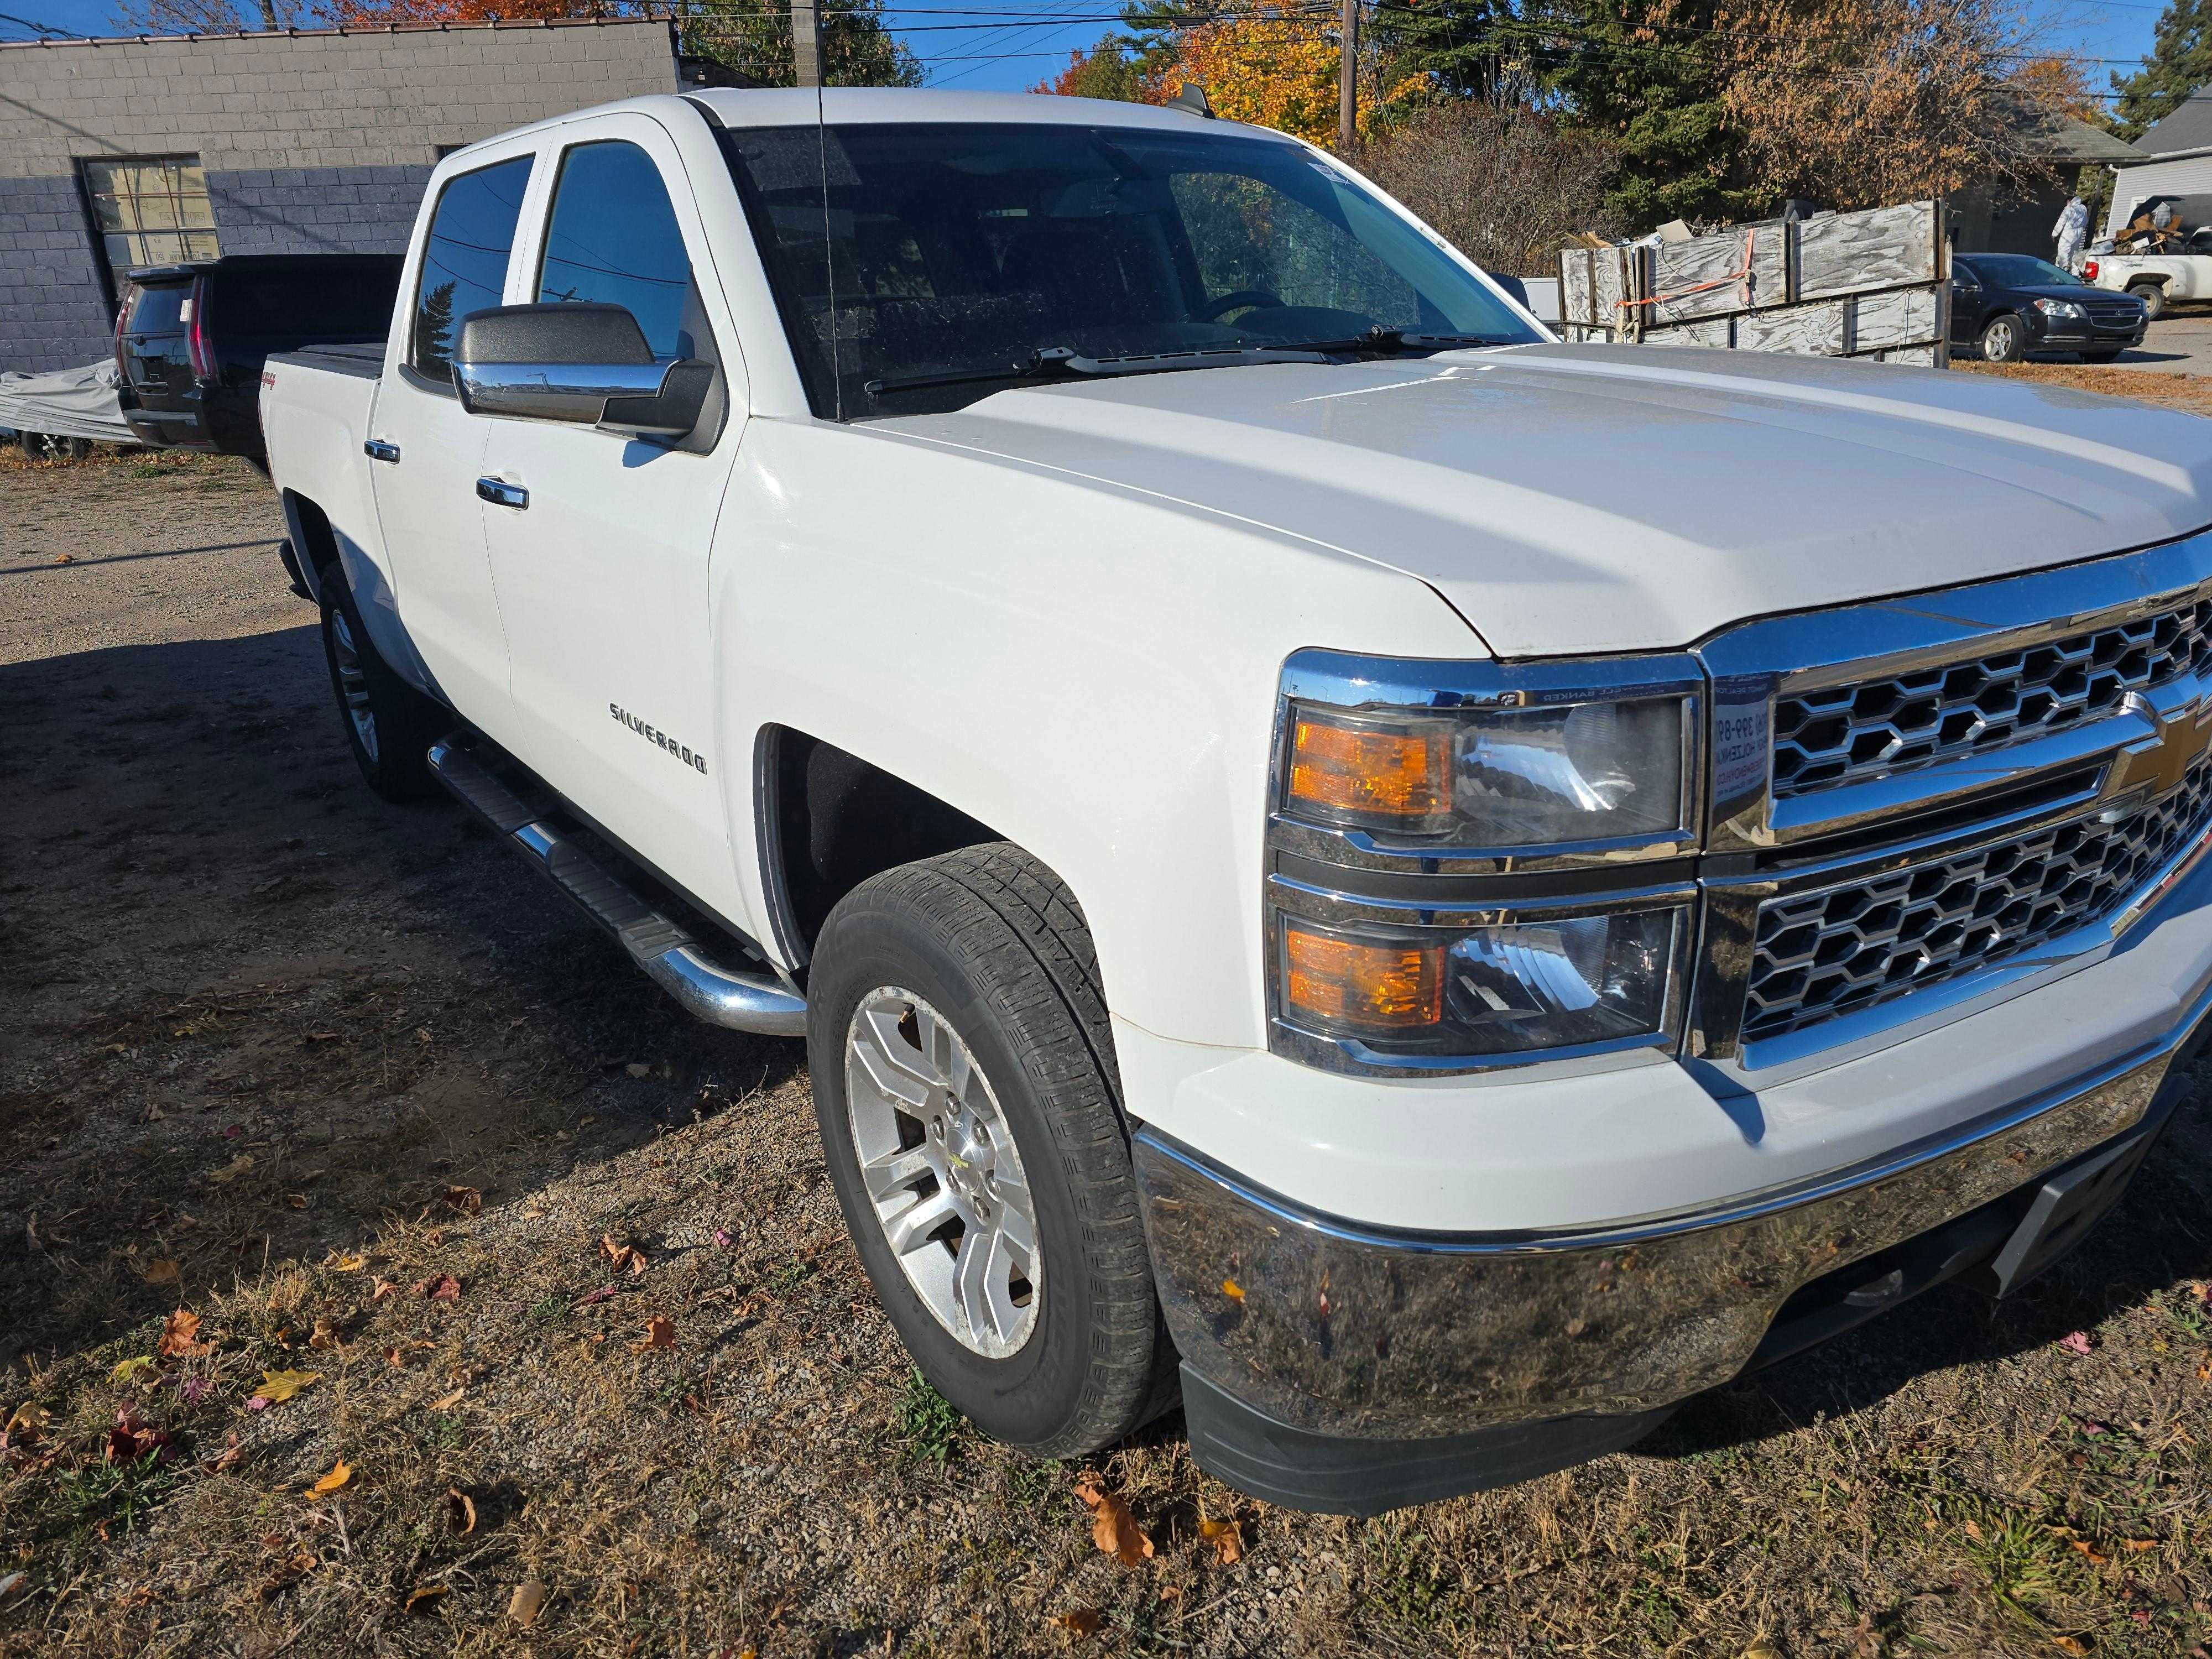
x: 1325, y: 1327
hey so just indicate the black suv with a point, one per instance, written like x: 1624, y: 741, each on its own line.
x: 190, y: 339
x: 2011, y: 304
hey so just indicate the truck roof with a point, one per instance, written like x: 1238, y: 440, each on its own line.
x: 772, y: 106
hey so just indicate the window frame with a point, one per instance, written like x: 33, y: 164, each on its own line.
x: 118, y: 276
x: 404, y: 330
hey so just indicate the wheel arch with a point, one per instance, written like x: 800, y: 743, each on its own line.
x: 826, y: 820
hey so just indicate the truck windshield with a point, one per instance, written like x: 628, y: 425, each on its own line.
x: 914, y: 264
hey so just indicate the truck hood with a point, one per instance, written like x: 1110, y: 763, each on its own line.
x: 1570, y: 498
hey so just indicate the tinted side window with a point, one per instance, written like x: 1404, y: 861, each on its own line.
x: 613, y: 238
x: 464, y: 259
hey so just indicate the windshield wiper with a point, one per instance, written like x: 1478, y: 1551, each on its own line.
x: 1401, y: 339
x: 1049, y: 361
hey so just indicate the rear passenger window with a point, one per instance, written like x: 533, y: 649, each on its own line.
x: 464, y: 259
x: 158, y: 308
x: 613, y: 238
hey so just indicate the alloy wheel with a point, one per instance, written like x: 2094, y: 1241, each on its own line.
x: 942, y: 1171
x: 353, y: 684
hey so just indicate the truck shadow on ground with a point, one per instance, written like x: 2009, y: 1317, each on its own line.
x: 257, y: 1013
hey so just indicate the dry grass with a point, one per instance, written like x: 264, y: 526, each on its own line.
x: 2191, y: 392
x: 217, y: 947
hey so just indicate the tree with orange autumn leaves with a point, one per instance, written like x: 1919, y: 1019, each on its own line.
x: 1713, y: 109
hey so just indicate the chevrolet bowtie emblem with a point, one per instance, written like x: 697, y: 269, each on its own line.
x: 2156, y: 767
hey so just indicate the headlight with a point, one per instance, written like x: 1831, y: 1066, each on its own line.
x: 1539, y: 768
x: 1527, y: 988
x: 1464, y: 871
x: 2060, y: 308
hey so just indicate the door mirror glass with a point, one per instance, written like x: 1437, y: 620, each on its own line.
x: 579, y: 363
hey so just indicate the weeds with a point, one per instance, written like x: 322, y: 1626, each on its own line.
x: 932, y: 1430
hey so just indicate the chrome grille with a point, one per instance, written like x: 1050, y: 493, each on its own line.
x: 1869, y: 728
x: 1820, y: 955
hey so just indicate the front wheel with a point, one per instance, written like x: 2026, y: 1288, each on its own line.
x: 2003, y: 341
x: 389, y: 725
x: 964, y: 1082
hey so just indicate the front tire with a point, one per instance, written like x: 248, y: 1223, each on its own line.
x: 964, y: 1082
x: 389, y: 725
x: 2003, y: 341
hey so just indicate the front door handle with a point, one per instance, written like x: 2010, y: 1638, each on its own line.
x: 377, y: 450
x: 499, y: 493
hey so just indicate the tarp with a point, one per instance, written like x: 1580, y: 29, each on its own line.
x: 70, y: 403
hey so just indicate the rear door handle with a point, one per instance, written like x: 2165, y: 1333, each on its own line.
x: 377, y: 450
x: 499, y: 493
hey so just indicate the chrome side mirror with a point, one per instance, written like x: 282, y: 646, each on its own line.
x: 579, y: 363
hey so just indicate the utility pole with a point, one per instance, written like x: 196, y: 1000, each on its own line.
x: 1347, y: 89
x: 807, y: 41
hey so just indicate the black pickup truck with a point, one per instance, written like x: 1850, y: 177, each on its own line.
x: 190, y: 339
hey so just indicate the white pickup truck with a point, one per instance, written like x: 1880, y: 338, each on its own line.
x: 2160, y: 280
x: 1433, y: 892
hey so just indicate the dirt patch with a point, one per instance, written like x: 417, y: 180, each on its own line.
x: 345, y: 1083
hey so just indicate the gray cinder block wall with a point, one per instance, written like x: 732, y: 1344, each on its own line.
x: 318, y: 141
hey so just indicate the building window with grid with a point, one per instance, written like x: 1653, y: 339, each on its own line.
x: 151, y: 211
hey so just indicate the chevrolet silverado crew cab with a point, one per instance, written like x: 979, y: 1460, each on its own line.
x: 1430, y: 891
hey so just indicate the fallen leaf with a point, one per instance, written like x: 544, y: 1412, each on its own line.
x: 1762, y: 1649
x: 10, y: 1582
x: 295, y: 1201
x: 231, y: 1172
x: 384, y: 1287
x: 1227, y: 1540
x: 2137, y: 1546
x: 422, y: 1033
x: 341, y: 1472
x: 2069, y: 1645
x: 394, y: 1358
x: 1081, y: 1622
x: 231, y: 1452
x: 1114, y: 1528
x: 179, y: 1337
x: 1232, y: 1289
x: 723, y: 1238
x: 625, y: 1257
x: 350, y: 1264
x: 638, y: 1068
x: 528, y: 1602
x: 2089, y: 1550
x: 323, y: 1336
x: 277, y: 1387
x: 460, y: 1511
x: 422, y: 1593
x: 442, y: 1287
x: 2074, y: 1341
x: 161, y: 1270
x: 468, y: 1200
x: 65, y: 558
x: 599, y: 1295
x: 658, y: 1334
x: 131, y: 1368
x: 195, y: 1389
x: 446, y: 1402
x: 1973, y: 1531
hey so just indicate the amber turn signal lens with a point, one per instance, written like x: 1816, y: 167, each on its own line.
x: 1370, y: 774
x: 1361, y: 984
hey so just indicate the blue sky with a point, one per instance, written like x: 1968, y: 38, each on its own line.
x: 1000, y: 44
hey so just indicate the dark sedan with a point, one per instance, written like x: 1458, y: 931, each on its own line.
x: 2011, y: 304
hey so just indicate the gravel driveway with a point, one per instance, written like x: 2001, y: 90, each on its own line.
x: 296, y: 1084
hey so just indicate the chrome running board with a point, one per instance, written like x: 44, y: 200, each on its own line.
x: 668, y: 953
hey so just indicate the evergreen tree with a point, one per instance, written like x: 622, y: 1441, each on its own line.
x: 1646, y: 73
x: 2180, y: 62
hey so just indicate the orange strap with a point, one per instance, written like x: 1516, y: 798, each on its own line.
x: 1750, y: 238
